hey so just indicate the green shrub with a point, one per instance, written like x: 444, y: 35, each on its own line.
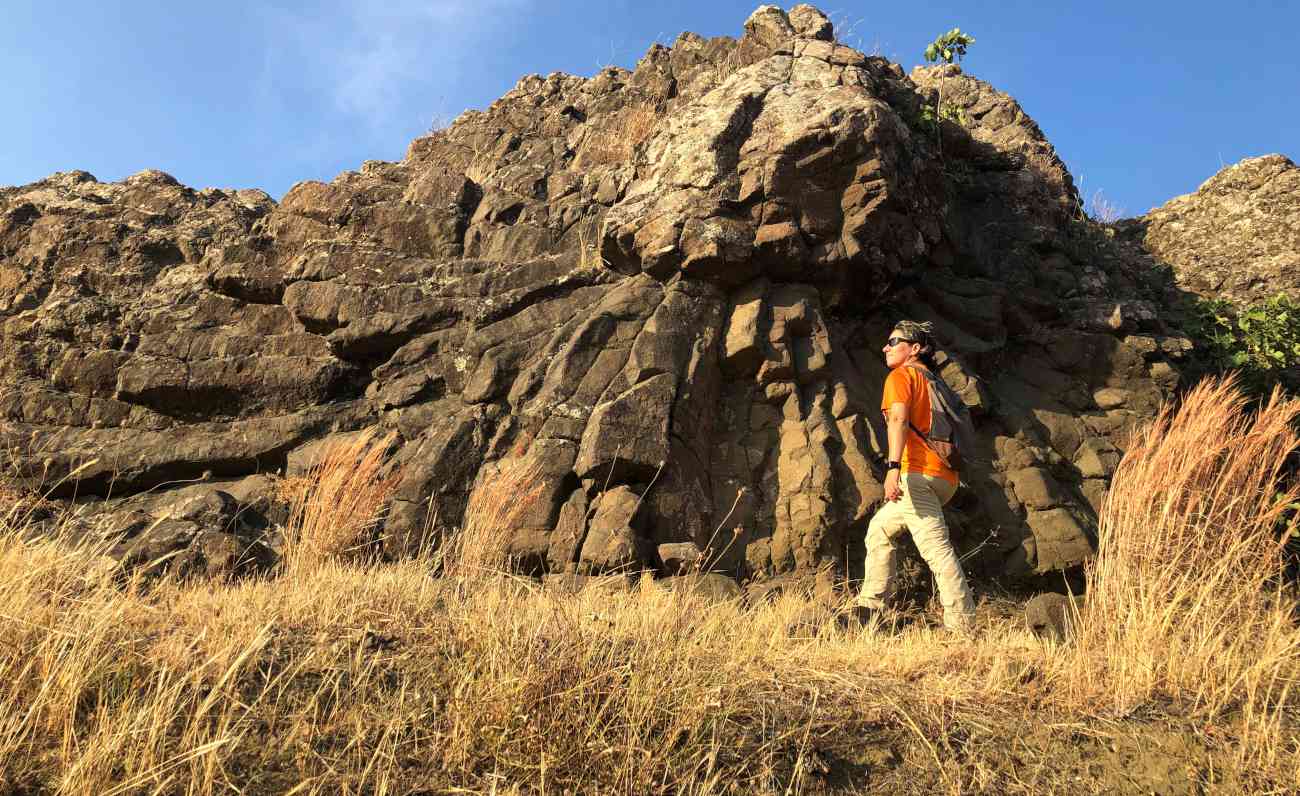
x: 949, y: 112
x: 949, y: 47
x: 1261, y: 341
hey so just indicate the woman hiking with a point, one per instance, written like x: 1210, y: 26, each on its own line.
x: 918, y: 482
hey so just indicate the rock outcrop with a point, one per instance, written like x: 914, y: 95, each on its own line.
x: 667, y: 286
x: 1238, y: 237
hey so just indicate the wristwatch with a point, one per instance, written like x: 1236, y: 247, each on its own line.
x: 893, y: 466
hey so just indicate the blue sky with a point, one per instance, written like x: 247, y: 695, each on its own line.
x: 1143, y: 100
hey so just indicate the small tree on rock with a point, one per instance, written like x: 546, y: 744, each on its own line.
x: 949, y: 48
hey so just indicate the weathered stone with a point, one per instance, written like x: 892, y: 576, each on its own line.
x: 1238, y: 237
x: 569, y: 583
x: 570, y: 530
x: 769, y: 26
x: 212, y: 509
x: 1036, y: 488
x: 527, y: 548
x: 710, y: 586
x: 216, y: 555
x: 1060, y: 540
x: 679, y: 558
x: 1110, y: 397
x: 302, y: 460
x: 1096, y: 459
x: 1095, y: 489
x: 670, y: 283
x: 1053, y: 616
x: 810, y: 22
x: 627, y: 437
x: 613, y: 543
x: 744, y: 346
x: 156, y: 544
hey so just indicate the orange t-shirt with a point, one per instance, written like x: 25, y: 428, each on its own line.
x: 907, y: 385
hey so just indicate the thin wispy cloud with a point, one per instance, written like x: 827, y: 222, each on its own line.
x: 373, y: 62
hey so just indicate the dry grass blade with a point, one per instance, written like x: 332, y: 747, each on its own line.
x: 508, y: 489
x: 627, y: 129
x: 336, y: 507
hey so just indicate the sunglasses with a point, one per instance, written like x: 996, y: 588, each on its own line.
x: 893, y: 341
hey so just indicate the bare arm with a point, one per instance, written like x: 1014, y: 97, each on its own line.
x: 896, y: 426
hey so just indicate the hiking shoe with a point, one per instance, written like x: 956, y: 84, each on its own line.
x: 856, y: 616
x: 958, y: 633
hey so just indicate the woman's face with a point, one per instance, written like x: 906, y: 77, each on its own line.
x: 900, y: 351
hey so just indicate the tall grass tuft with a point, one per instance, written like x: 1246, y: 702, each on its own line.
x: 1184, y: 602
x: 509, y: 489
x: 335, y: 509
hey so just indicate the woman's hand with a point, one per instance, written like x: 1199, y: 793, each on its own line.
x: 893, y: 490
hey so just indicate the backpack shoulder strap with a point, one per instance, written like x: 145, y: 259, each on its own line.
x: 929, y: 376
x: 918, y: 432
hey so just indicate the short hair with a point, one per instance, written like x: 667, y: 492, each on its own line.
x: 919, y: 332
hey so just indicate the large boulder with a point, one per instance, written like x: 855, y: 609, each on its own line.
x: 1237, y: 237
x: 665, y: 287
x: 200, y: 532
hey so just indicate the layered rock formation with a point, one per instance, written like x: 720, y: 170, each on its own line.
x: 667, y: 286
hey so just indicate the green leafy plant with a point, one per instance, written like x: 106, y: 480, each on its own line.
x: 949, y: 48
x: 1262, y: 341
x: 949, y: 112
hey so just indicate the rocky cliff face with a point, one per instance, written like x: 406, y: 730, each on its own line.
x: 1237, y: 237
x: 667, y: 286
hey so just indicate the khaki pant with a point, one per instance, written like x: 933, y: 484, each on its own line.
x: 919, y: 511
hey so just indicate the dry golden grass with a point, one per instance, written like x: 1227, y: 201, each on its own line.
x: 730, y: 62
x: 589, y: 257
x: 337, y: 506
x: 510, y: 488
x: 1183, y: 599
x: 1103, y: 210
x: 18, y: 504
x: 357, y: 678
x: 617, y: 141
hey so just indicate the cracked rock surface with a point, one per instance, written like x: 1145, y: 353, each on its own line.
x: 666, y: 286
x: 1237, y: 237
